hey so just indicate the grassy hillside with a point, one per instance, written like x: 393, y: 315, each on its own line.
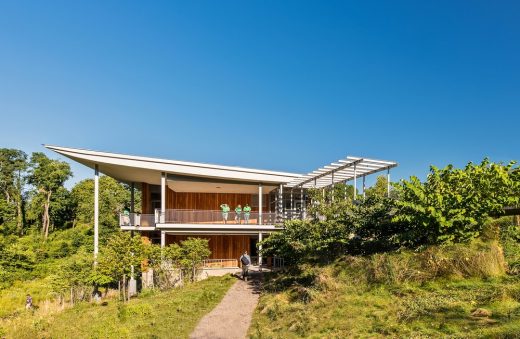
x: 435, y: 293
x: 173, y: 313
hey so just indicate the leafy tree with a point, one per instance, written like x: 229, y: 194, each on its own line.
x: 47, y: 176
x: 13, y: 164
x: 452, y: 205
x: 193, y: 252
x: 74, y: 276
x: 121, y: 252
x: 379, y: 189
x: 114, y: 197
x: 308, y: 240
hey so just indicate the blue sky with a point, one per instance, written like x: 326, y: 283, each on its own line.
x: 286, y: 85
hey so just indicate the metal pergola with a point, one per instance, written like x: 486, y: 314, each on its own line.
x: 342, y: 171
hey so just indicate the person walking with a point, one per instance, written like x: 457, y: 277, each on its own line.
x: 245, y: 261
x: 238, y: 213
x: 225, y: 212
x: 247, y: 213
x: 28, y: 302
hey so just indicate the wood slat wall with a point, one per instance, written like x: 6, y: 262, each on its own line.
x: 221, y: 246
x: 198, y: 201
x: 146, y: 207
x: 208, y: 201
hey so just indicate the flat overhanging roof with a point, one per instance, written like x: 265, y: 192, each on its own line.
x: 349, y: 168
x: 206, y: 177
x: 130, y: 168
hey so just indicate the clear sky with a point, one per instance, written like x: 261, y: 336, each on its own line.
x: 284, y: 85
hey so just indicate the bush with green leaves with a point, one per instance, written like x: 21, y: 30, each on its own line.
x: 177, y: 261
x: 453, y: 205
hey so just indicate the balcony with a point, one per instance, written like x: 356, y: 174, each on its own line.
x: 188, y: 216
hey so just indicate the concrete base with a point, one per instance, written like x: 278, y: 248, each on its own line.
x: 132, y: 287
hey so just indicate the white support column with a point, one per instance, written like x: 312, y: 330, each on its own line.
x: 163, y: 198
x: 280, y: 202
x: 304, y: 205
x: 364, y: 187
x: 346, y: 189
x: 260, y: 238
x: 292, y: 206
x: 96, y: 212
x: 332, y: 186
x: 355, y: 182
x: 260, y: 203
x: 163, y: 239
x: 132, y: 198
x: 388, y: 182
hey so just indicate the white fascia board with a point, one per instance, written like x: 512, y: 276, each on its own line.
x: 89, y: 158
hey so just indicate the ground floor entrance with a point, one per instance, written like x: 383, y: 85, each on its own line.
x: 225, y: 249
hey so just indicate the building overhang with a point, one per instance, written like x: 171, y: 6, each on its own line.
x: 130, y: 168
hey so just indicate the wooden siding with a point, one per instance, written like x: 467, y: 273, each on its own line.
x: 198, y: 201
x: 146, y: 206
x: 221, y: 246
x: 208, y: 201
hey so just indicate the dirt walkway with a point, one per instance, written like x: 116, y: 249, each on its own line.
x: 232, y: 317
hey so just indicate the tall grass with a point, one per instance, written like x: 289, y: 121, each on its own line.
x: 427, y: 293
x: 475, y: 260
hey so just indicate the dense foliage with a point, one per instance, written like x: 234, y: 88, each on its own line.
x: 450, y: 206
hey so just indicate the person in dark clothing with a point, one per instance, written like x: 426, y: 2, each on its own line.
x: 245, y: 261
x: 28, y: 302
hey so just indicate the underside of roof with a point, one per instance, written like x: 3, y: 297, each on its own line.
x: 215, y: 178
x: 349, y: 168
x: 129, y: 168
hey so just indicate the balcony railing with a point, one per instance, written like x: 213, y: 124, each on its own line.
x: 179, y: 216
x: 189, y: 216
x: 137, y: 219
x: 220, y: 263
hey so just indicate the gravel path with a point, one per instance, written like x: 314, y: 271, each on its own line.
x: 231, y: 318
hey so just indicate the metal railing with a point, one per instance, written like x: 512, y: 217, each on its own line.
x: 185, y: 216
x: 190, y: 216
x: 220, y: 263
x: 137, y: 219
x: 278, y: 263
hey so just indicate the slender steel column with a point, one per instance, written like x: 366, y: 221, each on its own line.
x: 364, y: 187
x: 280, y: 202
x: 96, y: 212
x: 260, y: 203
x: 332, y: 186
x: 163, y: 239
x: 132, y: 198
x: 388, y: 182
x: 304, y: 205
x: 260, y: 238
x: 355, y: 182
x: 163, y: 198
x: 292, y: 199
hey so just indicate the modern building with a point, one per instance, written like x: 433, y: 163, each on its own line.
x: 182, y: 199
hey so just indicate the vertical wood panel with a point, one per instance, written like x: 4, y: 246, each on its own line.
x: 221, y: 246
